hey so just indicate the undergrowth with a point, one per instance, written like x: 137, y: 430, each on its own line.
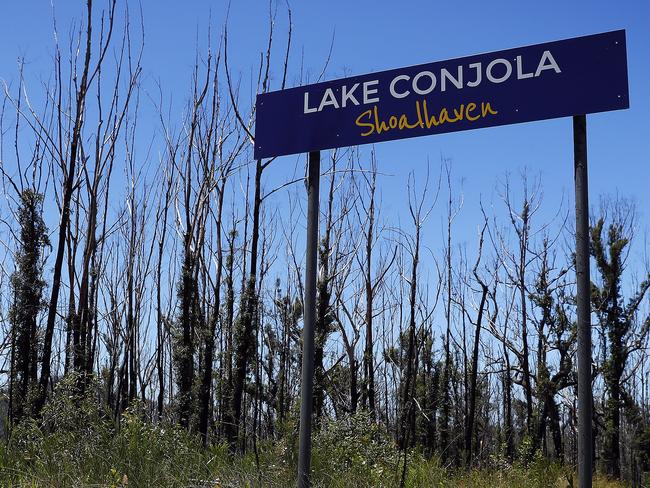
x: 75, y: 444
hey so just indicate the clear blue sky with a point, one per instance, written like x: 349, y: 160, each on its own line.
x: 377, y: 35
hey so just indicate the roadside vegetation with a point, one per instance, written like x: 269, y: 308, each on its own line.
x: 77, y: 444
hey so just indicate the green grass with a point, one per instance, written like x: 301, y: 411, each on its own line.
x: 140, y: 454
x: 76, y: 445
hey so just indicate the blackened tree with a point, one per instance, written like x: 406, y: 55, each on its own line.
x: 27, y: 286
x: 618, y: 320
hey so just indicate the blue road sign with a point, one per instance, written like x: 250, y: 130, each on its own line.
x: 555, y: 79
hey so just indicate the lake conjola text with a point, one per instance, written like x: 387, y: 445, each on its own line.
x: 427, y: 82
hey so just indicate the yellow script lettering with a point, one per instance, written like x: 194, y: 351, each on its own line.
x: 361, y: 123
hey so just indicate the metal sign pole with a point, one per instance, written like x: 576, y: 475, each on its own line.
x: 307, y: 386
x: 584, y: 309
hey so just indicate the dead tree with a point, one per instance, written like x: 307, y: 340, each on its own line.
x: 469, y: 425
x: 419, y: 210
x: 220, y: 144
x: 370, y: 284
x: 516, y: 265
x: 63, y: 135
x: 24, y: 188
x: 452, y: 212
x: 246, y: 329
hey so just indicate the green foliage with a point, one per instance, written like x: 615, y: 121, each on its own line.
x: 183, y: 340
x: 642, y: 446
x: 76, y: 445
x: 526, y: 452
x: 360, y: 448
x: 27, y: 286
x: 426, y: 472
x: 617, y: 319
